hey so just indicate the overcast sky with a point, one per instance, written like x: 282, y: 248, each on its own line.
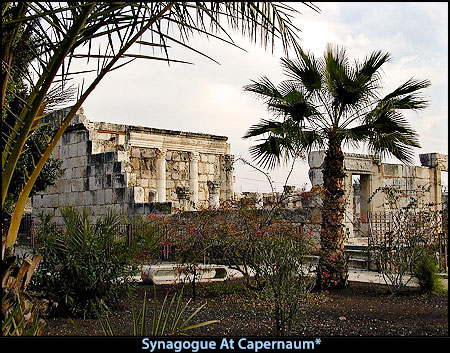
x: 208, y: 98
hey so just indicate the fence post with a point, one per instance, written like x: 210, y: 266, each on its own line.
x: 129, y: 234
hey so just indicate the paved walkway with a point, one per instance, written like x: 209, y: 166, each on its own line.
x: 354, y: 275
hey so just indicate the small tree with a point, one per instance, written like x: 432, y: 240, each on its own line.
x: 411, y: 228
x: 286, y: 273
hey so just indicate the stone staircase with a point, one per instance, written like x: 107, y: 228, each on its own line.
x: 359, y: 258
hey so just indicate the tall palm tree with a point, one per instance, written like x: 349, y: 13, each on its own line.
x: 330, y: 102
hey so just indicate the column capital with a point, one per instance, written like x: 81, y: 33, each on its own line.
x: 161, y: 152
x: 194, y: 156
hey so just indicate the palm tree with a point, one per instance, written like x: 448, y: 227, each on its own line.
x: 329, y: 103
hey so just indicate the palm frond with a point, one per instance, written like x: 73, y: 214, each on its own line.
x: 306, y: 70
x: 265, y: 127
x: 406, y: 96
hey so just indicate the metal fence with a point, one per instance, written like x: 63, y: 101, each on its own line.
x: 26, y: 234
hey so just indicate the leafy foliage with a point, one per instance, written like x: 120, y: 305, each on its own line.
x: 287, y: 274
x: 83, y: 262
x: 426, y: 271
x: 167, y: 319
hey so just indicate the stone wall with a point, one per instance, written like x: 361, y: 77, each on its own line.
x: 137, y: 170
x: 374, y: 174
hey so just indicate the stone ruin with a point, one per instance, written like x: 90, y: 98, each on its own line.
x: 373, y: 175
x: 137, y: 170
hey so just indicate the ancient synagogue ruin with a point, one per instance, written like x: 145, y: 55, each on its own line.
x: 137, y: 170
x: 140, y: 170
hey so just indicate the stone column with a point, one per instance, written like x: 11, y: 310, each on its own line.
x: 161, y: 174
x: 348, y: 216
x: 214, y: 192
x: 193, y: 177
x: 226, y: 176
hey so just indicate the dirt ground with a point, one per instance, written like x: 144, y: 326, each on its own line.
x: 362, y: 309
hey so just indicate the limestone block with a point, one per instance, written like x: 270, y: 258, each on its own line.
x: 95, y: 183
x: 175, y: 176
x: 123, y: 156
x: 64, y: 152
x: 89, y: 198
x: 124, y: 167
x: 168, y: 155
x: 119, y: 181
x: 182, y: 166
x: 407, y: 171
x: 100, y: 197
x: 37, y: 201
x: 139, y: 195
x: 79, y: 172
x: 422, y: 172
x: 51, y: 190
x: 202, y: 177
x: 176, y: 156
x: 212, y: 158
x: 131, y: 178
x: 202, y: 196
x: 97, y: 147
x: 82, y: 149
x: 212, y: 170
x: 77, y: 185
x: 104, y: 136
x: 170, y: 184
x: 80, y: 161
x: 152, y: 183
x: 135, y: 163
x: 204, y: 158
x: 143, y: 183
x: 73, y: 150
x: 67, y: 173
x: 108, y: 196
x: 62, y: 199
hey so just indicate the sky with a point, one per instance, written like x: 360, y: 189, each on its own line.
x: 208, y: 97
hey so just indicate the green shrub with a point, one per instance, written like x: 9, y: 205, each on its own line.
x: 426, y: 271
x: 83, y: 262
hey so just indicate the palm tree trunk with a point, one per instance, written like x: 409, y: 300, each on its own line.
x: 333, y: 261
